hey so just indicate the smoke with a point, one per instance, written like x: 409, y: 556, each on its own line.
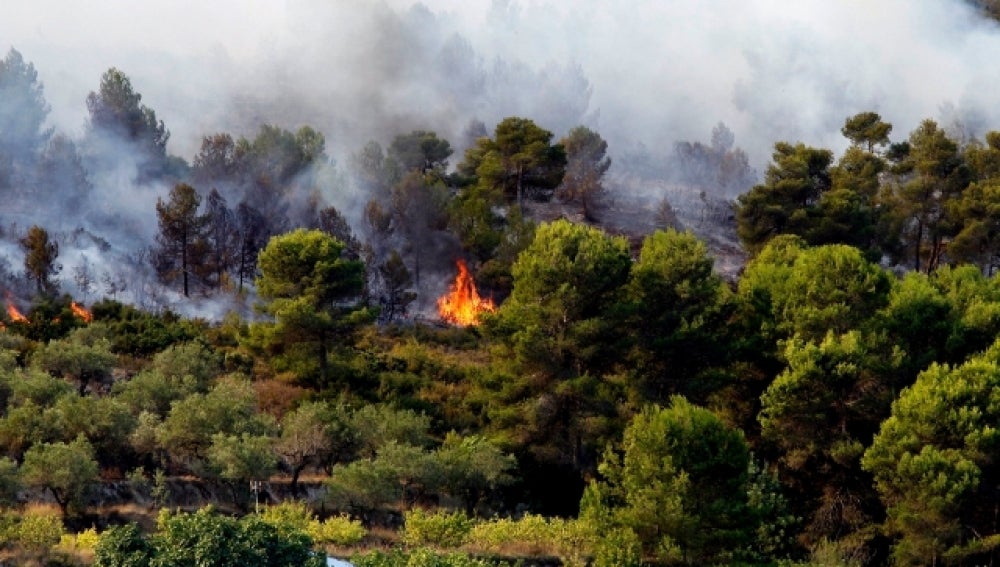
x: 645, y: 74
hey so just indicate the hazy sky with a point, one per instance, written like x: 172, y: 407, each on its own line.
x: 659, y: 71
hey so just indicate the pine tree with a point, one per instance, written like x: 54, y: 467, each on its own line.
x: 40, y: 255
x: 181, y: 243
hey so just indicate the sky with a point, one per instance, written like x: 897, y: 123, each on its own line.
x: 640, y: 72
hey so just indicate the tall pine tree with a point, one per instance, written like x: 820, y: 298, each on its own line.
x: 181, y: 244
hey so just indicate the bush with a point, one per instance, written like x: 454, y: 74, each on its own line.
x: 572, y: 541
x: 39, y: 530
x: 338, y: 530
x: 439, y: 529
x: 291, y: 514
x: 296, y: 516
x: 84, y: 541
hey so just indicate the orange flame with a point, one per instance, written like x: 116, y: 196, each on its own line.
x: 14, y: 314
x: 462, y: 304
x: 81, y: 312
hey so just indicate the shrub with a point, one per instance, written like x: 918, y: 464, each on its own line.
x: 294, y: 515
x: 83, y: 541
x: 39, y: 530
x: 439, y: 529
x: 338, y: 530
x: 572, y: 541
x: 291, y: 514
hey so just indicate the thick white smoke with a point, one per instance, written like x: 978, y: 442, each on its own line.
x: 644, y: 73
x: 659, y: 71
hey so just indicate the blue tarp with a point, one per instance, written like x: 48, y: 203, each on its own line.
x: 334, y: 562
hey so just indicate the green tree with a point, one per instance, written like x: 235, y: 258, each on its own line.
x: 586, y: 164
x: 312, y: 292
x: 807, y: 292
x: 867, y: 130
x: 376, y: 425
x: 308, y: 437
x: 40, y: 255
x: 71, y: 358
x: 66, y: 470
x: 930, y: 175
x: 942, y: 317
x: 568, y: 281
x: 848, y: 213
x: 398, y: 281
x: 519, y: 160
x: 181, y: 241
x: 123, y: 546
x: 105, y: 422
x: 207, y: 538
x: 561, y: 341
x: 421, y: 151
x: 228, y: 408
x: 678, y: 312
x: 239, y: 459
x: 680, y: 483
x: 819, y: 414
x: 471, y: 467
x: 788, y: 200
x: 933, y: 465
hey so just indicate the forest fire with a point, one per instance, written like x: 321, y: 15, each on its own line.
x: 462, y: 304
x: 81, y: 312
x: 14, y: 314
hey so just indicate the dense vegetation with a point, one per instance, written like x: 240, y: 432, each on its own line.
x: 624, y: 404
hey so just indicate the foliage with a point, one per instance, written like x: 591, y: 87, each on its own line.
x: 586, y: 164
x: 932, y: 465
x: 140, y: 333
x: 438, y: 529
x: 188, y: 432
x: 533, y: 535
x: 294, y: 515
x: 680, y: 311
x: 807, y: 292
x: 67, y: 470
x: 73, y: 359
x: 519, y: 160
x: 787, y: 200
x: 38, y: 530
x: 206, y: 538
x: 40, y: 255
x: 679, y: 484
x: 312, y: 292
x: 339, y: 530
x: 123, y: 546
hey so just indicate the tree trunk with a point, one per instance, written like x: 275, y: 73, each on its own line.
x: 296, y: 471
x: 184, y: 263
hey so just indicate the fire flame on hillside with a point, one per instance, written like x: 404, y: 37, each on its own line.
x: 13, y: 313
x: 462, y: 304
x: 81, y: 312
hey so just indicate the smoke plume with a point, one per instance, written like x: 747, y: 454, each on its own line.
x: 645, y: 74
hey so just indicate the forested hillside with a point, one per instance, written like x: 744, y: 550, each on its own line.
x: 519, y: 344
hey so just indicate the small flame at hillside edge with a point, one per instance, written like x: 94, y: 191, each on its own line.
x: 462, y: 304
